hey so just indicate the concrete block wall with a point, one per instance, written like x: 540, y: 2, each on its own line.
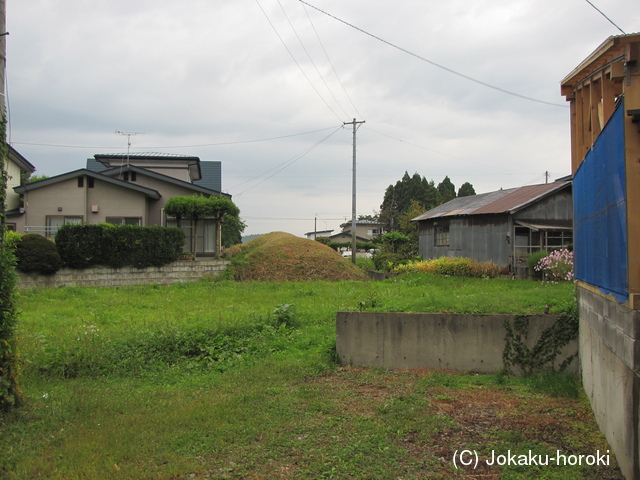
x: 610, y: 359
x: 432, y: 340
x: 180, y: 271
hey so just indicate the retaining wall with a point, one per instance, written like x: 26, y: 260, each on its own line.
x: 433, y: 340
x: 610, y: 360
x: 180, y: 271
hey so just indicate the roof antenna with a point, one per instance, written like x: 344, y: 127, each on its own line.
x: 128, y: 135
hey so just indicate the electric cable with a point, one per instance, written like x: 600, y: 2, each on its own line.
x: 311, y: 60
x: 331, y: 63
x: 442, y: 67
x: 296, y: 61
x: 284, y: 164
x: 602, y: 13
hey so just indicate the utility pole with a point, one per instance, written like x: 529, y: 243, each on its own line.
x: 546, y: 177
x: 353, y: 192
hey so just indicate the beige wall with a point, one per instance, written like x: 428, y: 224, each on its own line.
x: 168, y: 190
x: 67, y: 199
x: 115, y: 201
x: 14, y: 172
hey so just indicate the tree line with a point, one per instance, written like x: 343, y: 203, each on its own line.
x: 413, y: 195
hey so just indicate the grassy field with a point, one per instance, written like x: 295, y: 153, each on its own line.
x: 228, y: 380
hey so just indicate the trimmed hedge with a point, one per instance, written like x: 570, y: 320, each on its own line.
x: 37, y: 254
x: 116, y: 246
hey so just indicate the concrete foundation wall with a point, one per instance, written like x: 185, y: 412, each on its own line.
x: 610, y: 359
x: 181, y: 271
x: 432, y: 340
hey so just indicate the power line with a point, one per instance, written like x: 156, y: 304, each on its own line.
x: 436, y: 151
x: 310, y: 59
x: 284, y: 164
x: 330, y: 62
x: 239, y: 142
x: 295, y: 61
x: 442, y: 67
x: 602, y: 13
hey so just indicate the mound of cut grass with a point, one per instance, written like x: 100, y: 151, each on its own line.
x: 280, y: 256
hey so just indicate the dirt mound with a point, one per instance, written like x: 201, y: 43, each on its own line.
x: 280, y: 256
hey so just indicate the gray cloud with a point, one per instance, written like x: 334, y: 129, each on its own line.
x: 196, y: 73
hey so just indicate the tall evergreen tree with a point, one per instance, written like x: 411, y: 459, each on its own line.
x: 447, y: 190
x: 466, y: 190
x: 400, y: 197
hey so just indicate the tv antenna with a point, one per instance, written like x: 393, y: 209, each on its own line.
x: 128, y: 135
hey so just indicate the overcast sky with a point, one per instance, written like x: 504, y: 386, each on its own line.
x: 265, y: 86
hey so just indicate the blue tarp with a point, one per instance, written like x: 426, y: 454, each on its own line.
x: 600, y: 212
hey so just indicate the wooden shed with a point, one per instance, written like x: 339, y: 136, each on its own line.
x: 505, y: 226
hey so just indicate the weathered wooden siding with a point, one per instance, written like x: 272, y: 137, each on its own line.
x: 482, y: 237
x: 556, y: 209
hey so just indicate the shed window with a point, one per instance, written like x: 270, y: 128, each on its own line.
x: 441, y: 238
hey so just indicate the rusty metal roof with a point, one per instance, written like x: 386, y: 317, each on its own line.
x: 501, y: 201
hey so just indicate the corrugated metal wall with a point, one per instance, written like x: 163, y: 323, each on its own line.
x: 600, y: 212
x: 483, y: 238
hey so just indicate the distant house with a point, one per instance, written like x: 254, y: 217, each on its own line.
x: 17, y: 166
x: 505, y: 226
x: 317, y: 234
x: 119, y: 189
x: 366, y: 230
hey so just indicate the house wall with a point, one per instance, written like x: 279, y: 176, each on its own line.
x: 67, y: 199
x: 481, y: 237
x: 167, y: 190
x: 181, y: 173
x: 114, y: 201
x: 14, y: 173
x: 555, y: 209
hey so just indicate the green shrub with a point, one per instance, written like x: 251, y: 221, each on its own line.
x: 451, y: 266
x: 80, y: 246
x: 37, y: 254
x: 387, y: 261
x: 11, y: 240
x: 9, y: 391
x: 532, y: 261
x: 117, y: 246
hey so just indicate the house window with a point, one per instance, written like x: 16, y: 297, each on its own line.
x: 90, y: 181
x: 54, y: 222
x: 124, y: 220
x: 441, y: 238
x: 80, y: 182
x: 11, y: 227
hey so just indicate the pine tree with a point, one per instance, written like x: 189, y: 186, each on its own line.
x: 447, y: 190
x: 466, y: 190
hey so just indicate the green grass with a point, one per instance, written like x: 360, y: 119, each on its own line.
x: 237, y: 380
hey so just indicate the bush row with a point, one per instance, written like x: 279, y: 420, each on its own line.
x: 117, y: 246
x: 82, y: 246
x: 455, y: 266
